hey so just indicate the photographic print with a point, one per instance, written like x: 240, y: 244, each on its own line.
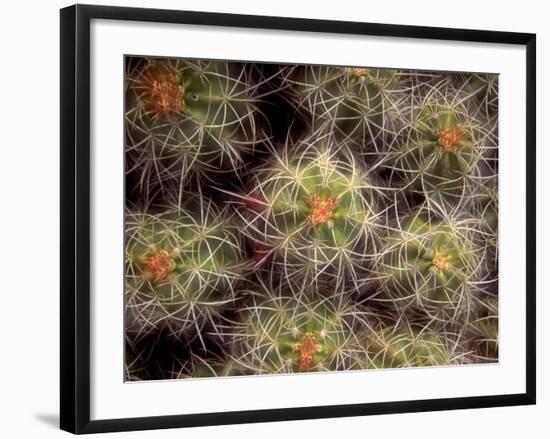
x: 307, y: 218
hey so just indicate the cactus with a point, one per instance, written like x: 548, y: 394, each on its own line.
x: 484, y: 205
x: 439, y: 154
x: 201, y: 365
x: 182, y: 266
x: 189, y: 118
x: 482, y: 331
x: 354, y: 102
x: 314, y: 210
x: 484, y: 91
x: 430, y: 266
x: 280, y: 333
x: 394, y: 347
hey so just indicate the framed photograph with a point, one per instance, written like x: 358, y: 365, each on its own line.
x: 268, y: 218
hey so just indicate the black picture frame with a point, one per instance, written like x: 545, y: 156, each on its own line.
x: 75, y: 217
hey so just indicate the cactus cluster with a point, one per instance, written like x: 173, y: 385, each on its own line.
x: 298, y: 219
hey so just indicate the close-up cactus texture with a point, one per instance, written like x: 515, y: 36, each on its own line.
x: 304, y: 219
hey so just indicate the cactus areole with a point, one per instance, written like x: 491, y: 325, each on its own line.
x: 158, y: 265
x: 306, y: 349
x: 449, y: 138
x: 163, y: 93
x: 170, y: 91
x: 358, y: 72
x: 440, y: 262
x: 321, y: 210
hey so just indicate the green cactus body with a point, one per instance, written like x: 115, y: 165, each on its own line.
x: 484, y: 90
x: 485, y: 207
x: 440, y: 154
x: 283, y: 335
x: 489, y: 215
x: 318, y: 215
x: 190, y: 116
x: 181, y: 266
x: 208, y: 367
x: 429, y: 266
x: 394, y: 348
x: 353, y: 100
x: 482, y: 331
